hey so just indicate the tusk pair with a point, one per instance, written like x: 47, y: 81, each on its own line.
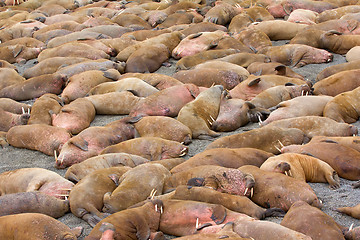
x: 277, y: 148
x: 152, y: 194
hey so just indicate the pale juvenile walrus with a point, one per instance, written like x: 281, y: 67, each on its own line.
x: 302, y: 167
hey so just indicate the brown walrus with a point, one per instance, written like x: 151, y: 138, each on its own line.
x: 283, y: 190
x: 301, y: 214
x: 33, y: 225
x: 302, y: 167
x: 351, y: 211
x: 199, y: 114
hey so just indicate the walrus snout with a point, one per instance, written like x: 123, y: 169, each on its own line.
x: 353, y: 130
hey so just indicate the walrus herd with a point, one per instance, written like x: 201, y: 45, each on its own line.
x: 186, y: 119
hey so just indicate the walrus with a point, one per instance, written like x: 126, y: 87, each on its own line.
x: 317, y: 126
x: 40, y: 110
x: 138, y: 86
x: 18, y: 53
x: 273, y: 96
x: 51, y: 65
x: 33, y: 202
x: 222, y: 13
x: 225, y: 157
x: 272, y: 68
x: 80, y: 84
x: 163, y: 127
x: 254, y: 85
x: 9, y: 77
x: 245, y: 59
x: 253, y: 38
x: 299, y: 215
x: 86, y: 197
x: 344, y: 107
x: 266, y: 138
x: 117, y: 103
x: 222, y: 179
x: 298, y: 107
x: 9, y: 120
x: 209, y: 76
x: 303, y: 16
x: 343, y: 159
x: 131, y: 20
x: 193, y: 60
x: 352, y: 54
x: 338, y: 43
x: 352, y: 142
x: 279, y: 29
x: 35, y: 87
x: 199, y: 114
x: 331, y: 70
x: 283, y: 190
x: 135, y: 223
x: 91, y: 141
x: 34, y: 179
x: 296, y: 55
x: 78, y: 171
x: 135, y: 186
x: 33, y: 225
x: 41, y: 137
x: 160, y: 81
x: 151, y: 148
x: 302, y: 167
x: 13, y: 106
x: 351, y: 211
x: 337, y: 83
x: 75, y: 116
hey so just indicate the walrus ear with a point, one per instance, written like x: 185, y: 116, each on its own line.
x: 80, y: 143
x: 254, y: 82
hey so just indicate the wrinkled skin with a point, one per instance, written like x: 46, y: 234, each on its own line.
x: 152, y: 148
x: 33, y: 202
x: 167, y: 102
x: 219, y: 178
x: 32, y: 225
x: 93, y: 140
x: 299, y: 215
x: 34, y: 179
x: 135, y: 186
x: 40, y: 137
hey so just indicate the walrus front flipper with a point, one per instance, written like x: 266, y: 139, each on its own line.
x: 80, y: 143
x: 274, y: 212
x: 356, y: 185
x: 91, y: 219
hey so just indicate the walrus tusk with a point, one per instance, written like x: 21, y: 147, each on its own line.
x: 62, y: 195
x: 302, y: 92
x: 156, y: 208
x: 210, y: 123
x: 252, y: 192
x: 246, y: 190
x: 61, y: 160
x: 152, y: 194
x: 212, y: 118
x: 282, y: 145
x: 290, y: 174
x: 55, y: 155
x: 260, y: 121
x: 183, y: 152
x: 351, y: 226
x: 286, y: 173
x: 161, y: 210
x: 197, y: 223
x: 65, y: 189
x: 23, y: 110
x: 277, y: 148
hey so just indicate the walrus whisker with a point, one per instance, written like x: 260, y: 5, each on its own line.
x: 197, y: 223
x: 282, y: 145
x: 277, y: 148
x: 351, y: 226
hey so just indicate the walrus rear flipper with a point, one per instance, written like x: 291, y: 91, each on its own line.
x: 274, y: 212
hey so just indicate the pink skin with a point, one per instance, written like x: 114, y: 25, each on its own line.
x: 9, y: 120
x: 193, y: 44
x: 92, y: 141
x: 166, y: 102
x: 59, y: 190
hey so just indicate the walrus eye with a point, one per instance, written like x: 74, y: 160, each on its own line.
x: 224, y: 174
